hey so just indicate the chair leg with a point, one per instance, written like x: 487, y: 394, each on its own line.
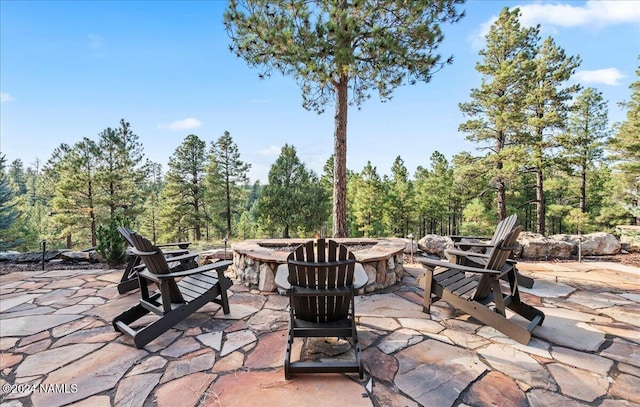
x: 129, y: 280
x: 428, y: 283
x: 489, y: 317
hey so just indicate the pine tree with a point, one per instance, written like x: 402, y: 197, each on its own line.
x: 583, y: 143
x: 399, y: 200
x: 334, y: 48
x: 8, y: 213
x: 497, y: 110
x: 17, y: 177
x: 433, y: 195
x: 74, y: 203
x: 293, y: 199
x: 226, y: 175
x: 185, y: 185
x: 625, y: 146
x: 368, y: 202
x: 120, y: 173
x: 547, y: 102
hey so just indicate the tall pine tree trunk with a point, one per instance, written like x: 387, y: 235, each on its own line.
x: 500, y: 185
x: 228, y: 191
x: 540, y: 204
x: 340, y: 160
x: 583, y: 190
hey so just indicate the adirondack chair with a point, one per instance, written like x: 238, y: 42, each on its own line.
x: 321, y: 297
x: 175, y: 299
x: 467, y: 257
x: 477, y: 290
x: 181, y: 260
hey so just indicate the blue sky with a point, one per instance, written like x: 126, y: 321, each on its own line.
x: 70, y: 69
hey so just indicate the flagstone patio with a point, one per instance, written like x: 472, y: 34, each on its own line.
x: 56, y: 334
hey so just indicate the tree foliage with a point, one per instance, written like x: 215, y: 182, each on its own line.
x: 340, y: 47
x: 184, y: 191
x: 496, y: 110
x: 293, y: 199
x: 8, y: 213
x: 226, y: 175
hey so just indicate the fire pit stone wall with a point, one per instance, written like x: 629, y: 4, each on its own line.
x: 255, y: 262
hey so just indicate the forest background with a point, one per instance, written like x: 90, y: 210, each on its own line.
x: 546, y: 151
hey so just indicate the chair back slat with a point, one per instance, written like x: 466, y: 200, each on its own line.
x: 325, y: 265
x: 504, y: 227
x: 156, y: 263
x: 503, y: 249
x: 126, y: 235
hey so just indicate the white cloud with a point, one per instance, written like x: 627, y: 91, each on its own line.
x: 5, y: 97
x: 271, y: 151
x: 593, y: 12
x: 596, y: 13
x: 607, y: 76
x: 186, y: 124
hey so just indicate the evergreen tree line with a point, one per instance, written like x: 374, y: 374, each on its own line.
x: 546, y: 152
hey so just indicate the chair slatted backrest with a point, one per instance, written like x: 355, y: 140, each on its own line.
x: 504, y: 227
x: 503, y: 249
x: 156, y: 263
x: 126, y: 235
x: 327, y: 267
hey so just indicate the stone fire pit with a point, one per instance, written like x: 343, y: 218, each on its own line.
x: 255, y: 261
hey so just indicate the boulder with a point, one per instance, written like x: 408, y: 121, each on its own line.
x: 593, y: 244
x: 408, y: 248
x: 91, y: 257
x: 9, y: 256
x: 213, y: 255
x: 34, y: 257
x: 535, y: 245
x: 435, y: 244
x: 600, y: 244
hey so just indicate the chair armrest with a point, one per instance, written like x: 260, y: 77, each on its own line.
x: 446, y: 264
x: 469, y: 245
x: 182, y: 245
x: 457, y: 238
x: 176, y: 252
x: 186, y: 256
x: 218, y: 266
x: 465, y: 253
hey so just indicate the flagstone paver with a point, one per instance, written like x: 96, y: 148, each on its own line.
x: 270, y: 389
x: 186, y: 391
x: 518, y: 365
x: 49, y: 360
x: 94, y: 373
x: 593, y: 363
x: 434, y: 373
x: 55, y: 329
x: 179, y: 368
x: 626, y: 387
x: 591, y: 386
x: 495, y: 388
x: 29, y: 325
x: 623, y: 351
x: 134, y: 390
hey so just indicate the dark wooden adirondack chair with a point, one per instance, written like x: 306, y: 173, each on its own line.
x: 181, y: 260
x: 322, y: 303
x: 477, y: 290
x: 175, y: 299
x: 468, y: 257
